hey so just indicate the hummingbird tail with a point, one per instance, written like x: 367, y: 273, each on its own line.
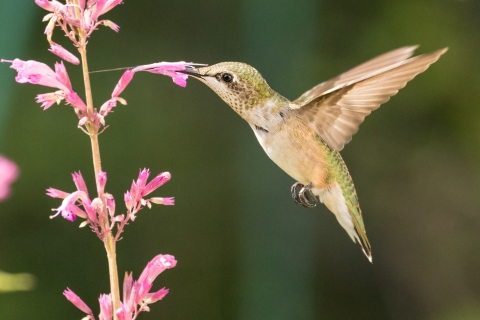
x: 341, y: 198
x: 335, y: 201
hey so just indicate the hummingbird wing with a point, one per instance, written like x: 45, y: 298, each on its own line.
x: 336, y: 114
x: 375, y: 64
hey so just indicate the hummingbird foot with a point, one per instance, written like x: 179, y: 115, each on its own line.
x: 307, y: 198
x: 295, y: 190
x: 304, y: 196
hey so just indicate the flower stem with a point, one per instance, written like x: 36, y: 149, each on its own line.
x: 109, y: 239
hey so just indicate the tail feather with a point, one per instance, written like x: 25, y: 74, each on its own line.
x: 341, y: 198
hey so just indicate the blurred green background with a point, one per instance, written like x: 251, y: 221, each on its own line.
x: 244, y: 249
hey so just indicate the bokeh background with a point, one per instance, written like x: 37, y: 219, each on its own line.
x: 244, y: 249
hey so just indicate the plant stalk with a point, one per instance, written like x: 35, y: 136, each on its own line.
x: 109, y: 239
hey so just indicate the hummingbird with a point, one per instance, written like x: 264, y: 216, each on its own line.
x: 304, y: 137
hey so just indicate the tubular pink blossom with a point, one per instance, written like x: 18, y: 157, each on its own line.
x: 82, y: 121
x: 112, y: 25
x: 77, y: 302
x: 124, y: 313
x: 107, y: 107
x: 62, y: 75
x: 76, y: 101
x: 63, y: 53
x: 8, y: 174
x: 122, y: 83
x: 79, y: 182
x: 164, y: 201
x: 37, y: 73
x: 49, y: 5
x: 168, y: 69
x: 127, y: 287
x: 110, y: 204
x: 156, y: 266
x: 142, y: 177
x: 105, y: 301
x: 135, y: 192
x: 103, y: 6
x: 69, y: 209
x: 55, y: 193
x: 128, y: 200
x: 155, y: 296
x: 48, y: 99
x: 102, y: 180
x: 157, y: 182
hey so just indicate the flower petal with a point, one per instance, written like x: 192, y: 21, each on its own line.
x: 105, y: 301
x: 156, y: 182
x: 77, y: 302
x: 123, y: 82
x: 63, y: 53
x: 8, y: 174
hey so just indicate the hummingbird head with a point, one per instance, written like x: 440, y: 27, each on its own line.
x: 240, y: 85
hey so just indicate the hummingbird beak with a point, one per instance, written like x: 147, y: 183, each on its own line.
x: 191, y: 71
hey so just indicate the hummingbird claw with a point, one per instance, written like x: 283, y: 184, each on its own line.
x: 303, y: 195
x: 307, y: 198
x: 294, y: 190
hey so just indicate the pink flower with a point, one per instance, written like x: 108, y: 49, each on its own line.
x: 55, y: 193
x: 48, y: 99
x: 164, y: 201
x: 69, y: 209
x: 77, y: 302
x: 128, y: 200
x: 103, y: 6
x: 101, y: 180
x: 124, y: 313
x: 136, y: 293
x: 156, y: 183
x: 155, y: 296
x: 63, y: 53
x: 168, y: 69
x: 76, y: 102
x: 112, y: 25
x: 158, y: 264
x: 127, y: 286
x: 123, y: 83
x: 110, y: 204
x: 8, y: 174
x: 79, y: 182
x: 49, y: 5
x: 105, y: 301
x: 39, y: 73
x: 134, y: 198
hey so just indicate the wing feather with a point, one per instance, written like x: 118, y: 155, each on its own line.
x: 378, y: 63
x: 336, y: 115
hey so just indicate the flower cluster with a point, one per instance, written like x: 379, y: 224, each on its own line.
x: 78, y: 21
x: 39, y: 73
x: 99, y: 213
x: 8, y: 174
x: 136, y: 294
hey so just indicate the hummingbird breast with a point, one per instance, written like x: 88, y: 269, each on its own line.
x: 293, y: 147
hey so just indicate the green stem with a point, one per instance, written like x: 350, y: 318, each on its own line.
x: 109, y: 240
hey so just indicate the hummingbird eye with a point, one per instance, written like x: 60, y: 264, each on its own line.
x: 227, y: 77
